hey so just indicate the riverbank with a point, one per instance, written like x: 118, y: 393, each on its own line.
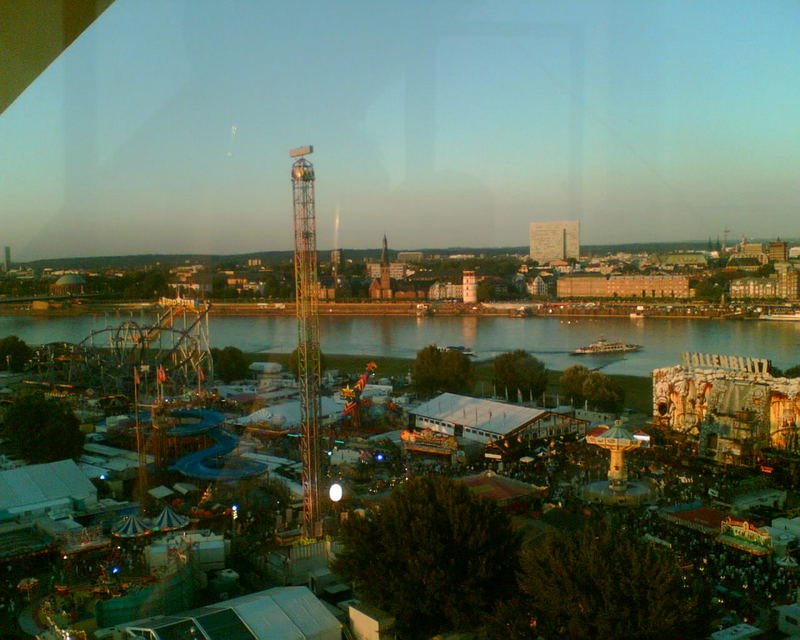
x: 569, y: 309
x: 638, y: 389
x: 550, y: 338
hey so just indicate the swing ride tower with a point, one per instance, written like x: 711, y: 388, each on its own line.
x: 306, y: 300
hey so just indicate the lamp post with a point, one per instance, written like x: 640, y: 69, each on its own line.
x: 335, y: 494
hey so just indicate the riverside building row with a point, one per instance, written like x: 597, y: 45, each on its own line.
x: 784, y: 284
x: 644, y: 286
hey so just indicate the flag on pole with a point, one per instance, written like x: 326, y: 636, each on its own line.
x: 200, y: 375
x: 136, y: 379
x: 161, y: 375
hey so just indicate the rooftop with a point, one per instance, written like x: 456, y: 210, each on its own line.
x: 478, y: 413
x: 290, y: 613
x: 42, y: 483
x: 499, y: 488
x: 70, y: 279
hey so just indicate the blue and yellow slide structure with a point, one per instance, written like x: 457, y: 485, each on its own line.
x: 213, y: 463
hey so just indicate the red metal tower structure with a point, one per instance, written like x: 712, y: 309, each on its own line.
x: 306, y: 298
x: 353, y: 396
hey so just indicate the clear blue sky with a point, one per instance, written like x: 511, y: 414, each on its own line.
x: 445, y: 123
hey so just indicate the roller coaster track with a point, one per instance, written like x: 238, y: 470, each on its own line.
x: 105, y: 359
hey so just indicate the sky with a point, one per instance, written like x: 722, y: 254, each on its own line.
x: 166, y: 127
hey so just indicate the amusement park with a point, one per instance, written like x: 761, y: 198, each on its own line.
x: 187, y: 490
x: 200, y: 504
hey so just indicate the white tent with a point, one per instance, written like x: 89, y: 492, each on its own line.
x: 266, y: 367
x: 280, y: 613
x: 160, y: 492
x: 287, y: 414
x: 34, y: 488
x: 286, y: 612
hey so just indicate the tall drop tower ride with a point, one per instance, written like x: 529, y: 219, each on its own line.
x: 306, y: 299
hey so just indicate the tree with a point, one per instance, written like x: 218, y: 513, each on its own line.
x: 42, y: 429
x: 603, y: 392
x: 630, y: 268
x: 518, y: 372
x: 485, y: 291
x: 437, y: 370
x: 571, y: 382
x: 603, y: 583
x: 434, y: 556
x: 294, y: 362
x: 792, y: 372
x: 708, y: 289
x: 765, y: 270
x: 230, y: 364
x: 14, y: 354
x: 145, y: 285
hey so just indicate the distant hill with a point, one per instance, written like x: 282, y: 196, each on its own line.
x: 267, y: 257
x: 276, y: 257
x: 644, y: 247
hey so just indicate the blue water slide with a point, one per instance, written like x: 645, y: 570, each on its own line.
x: 208, y: 464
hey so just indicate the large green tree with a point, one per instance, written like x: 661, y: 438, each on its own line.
x: 519, y: 373
x: 42, y: 429
x: 434, y: 556
x: 603, y: 583
x: 708, y: 289
x: 230, y: 364
x: 436, y: 370
x: 603, y: 392
x: 599, y: 391
x: 571, y: 382
x: 14, y: 353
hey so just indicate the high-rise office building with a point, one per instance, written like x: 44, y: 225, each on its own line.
x: 8, y: 259
x: 555, y: 240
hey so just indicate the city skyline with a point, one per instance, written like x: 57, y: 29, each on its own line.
x: 166, y: 128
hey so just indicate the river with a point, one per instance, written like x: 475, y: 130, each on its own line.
x: 550, y: 339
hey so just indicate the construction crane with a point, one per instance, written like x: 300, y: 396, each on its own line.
x: 308, y: 354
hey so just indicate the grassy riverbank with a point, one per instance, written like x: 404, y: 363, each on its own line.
x: 638, y: 389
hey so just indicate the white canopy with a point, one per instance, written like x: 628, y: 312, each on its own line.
x: 287, y: 414
x: 24, y: 488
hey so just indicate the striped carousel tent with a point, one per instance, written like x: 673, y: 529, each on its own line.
x: 131, y: 527
x: 169, y: 520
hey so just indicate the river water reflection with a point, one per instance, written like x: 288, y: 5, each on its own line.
x: 550, y: 339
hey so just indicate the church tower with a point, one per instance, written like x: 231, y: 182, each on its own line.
x: 386, y: 282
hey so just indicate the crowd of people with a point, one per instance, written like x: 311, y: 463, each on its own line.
x: 743, y: 586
